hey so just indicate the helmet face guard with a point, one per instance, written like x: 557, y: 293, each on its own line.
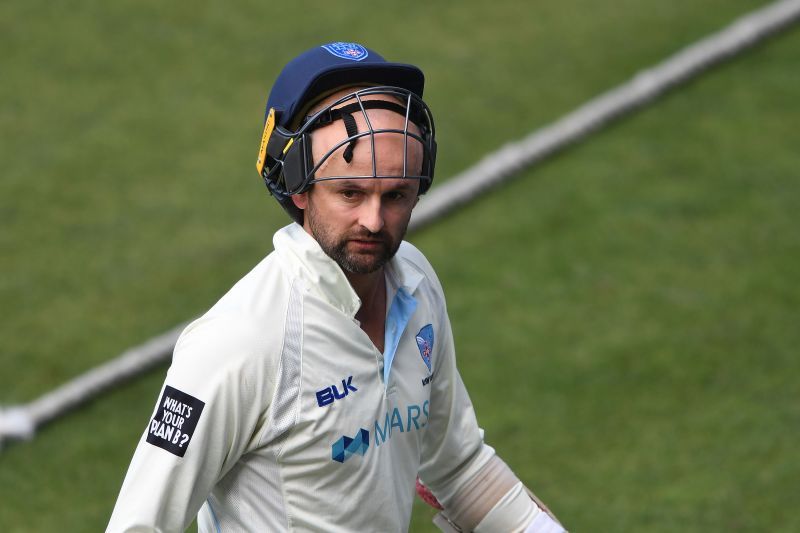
x: 285, y: 159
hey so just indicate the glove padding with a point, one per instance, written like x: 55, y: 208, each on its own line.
x: 427, y: 496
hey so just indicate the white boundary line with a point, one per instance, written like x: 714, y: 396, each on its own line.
x: 21, y: 421
x: 499, y: 166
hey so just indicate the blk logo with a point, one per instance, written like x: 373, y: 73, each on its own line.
x: 343, y: 448
x: 328, y: 395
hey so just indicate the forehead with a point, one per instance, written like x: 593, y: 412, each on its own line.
x: 374, y: 136
x: 365, y: 117
x: 384, y: 154
x: 361, y: 143
x: 371, y: 184
x: 368, y: 186
x: 374, y: 120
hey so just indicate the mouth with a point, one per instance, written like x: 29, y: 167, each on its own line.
x: 367, y: 244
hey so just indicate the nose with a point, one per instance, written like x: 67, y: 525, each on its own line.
x: 371, y: 214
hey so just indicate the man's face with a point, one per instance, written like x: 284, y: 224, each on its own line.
x: 360, y: 223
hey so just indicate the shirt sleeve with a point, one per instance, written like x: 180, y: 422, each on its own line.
x: 453, y: 448
x: 210, y: 411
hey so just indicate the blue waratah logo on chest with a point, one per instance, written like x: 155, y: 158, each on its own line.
x: 425, y: 344
x: 351, y: 51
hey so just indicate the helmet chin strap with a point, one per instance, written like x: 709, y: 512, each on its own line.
x: 352, y: 131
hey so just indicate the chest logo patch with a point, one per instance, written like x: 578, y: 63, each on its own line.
x: 425, y: 344
x: 328, y: 395
x: 174, y: 421
x: 345, y: 447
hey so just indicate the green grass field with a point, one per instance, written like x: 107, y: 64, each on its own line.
x: 625, y: 315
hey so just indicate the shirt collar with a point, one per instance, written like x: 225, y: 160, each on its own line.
x: 304, y: 257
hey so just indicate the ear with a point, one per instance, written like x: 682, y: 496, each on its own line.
x: 300, y: 200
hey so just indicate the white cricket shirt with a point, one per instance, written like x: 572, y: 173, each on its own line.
x: 279, y: 413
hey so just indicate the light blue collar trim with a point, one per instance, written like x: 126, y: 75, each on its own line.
x: 403, y: 306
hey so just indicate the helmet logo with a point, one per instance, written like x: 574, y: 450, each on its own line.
x: 351, y: 51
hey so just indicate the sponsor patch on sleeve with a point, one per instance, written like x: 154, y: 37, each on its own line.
x: 173, y: 424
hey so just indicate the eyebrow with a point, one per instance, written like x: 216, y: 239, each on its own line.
x: 356, y: 184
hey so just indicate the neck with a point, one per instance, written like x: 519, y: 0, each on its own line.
x: 371, y: 290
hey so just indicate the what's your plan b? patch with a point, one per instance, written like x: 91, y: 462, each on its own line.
x: 174, y: 421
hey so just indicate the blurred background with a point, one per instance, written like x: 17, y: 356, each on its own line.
x: 626, y: 314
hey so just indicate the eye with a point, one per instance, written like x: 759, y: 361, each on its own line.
x: 395, y: 195
x: 349, y: 194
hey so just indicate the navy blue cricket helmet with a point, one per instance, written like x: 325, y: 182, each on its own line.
x: 284, y: 159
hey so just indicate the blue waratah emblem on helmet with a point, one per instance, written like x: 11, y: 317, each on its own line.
x: 425, y: 344
x: 351, y: 51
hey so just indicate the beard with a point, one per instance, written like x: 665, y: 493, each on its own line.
x: 336, y: 246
